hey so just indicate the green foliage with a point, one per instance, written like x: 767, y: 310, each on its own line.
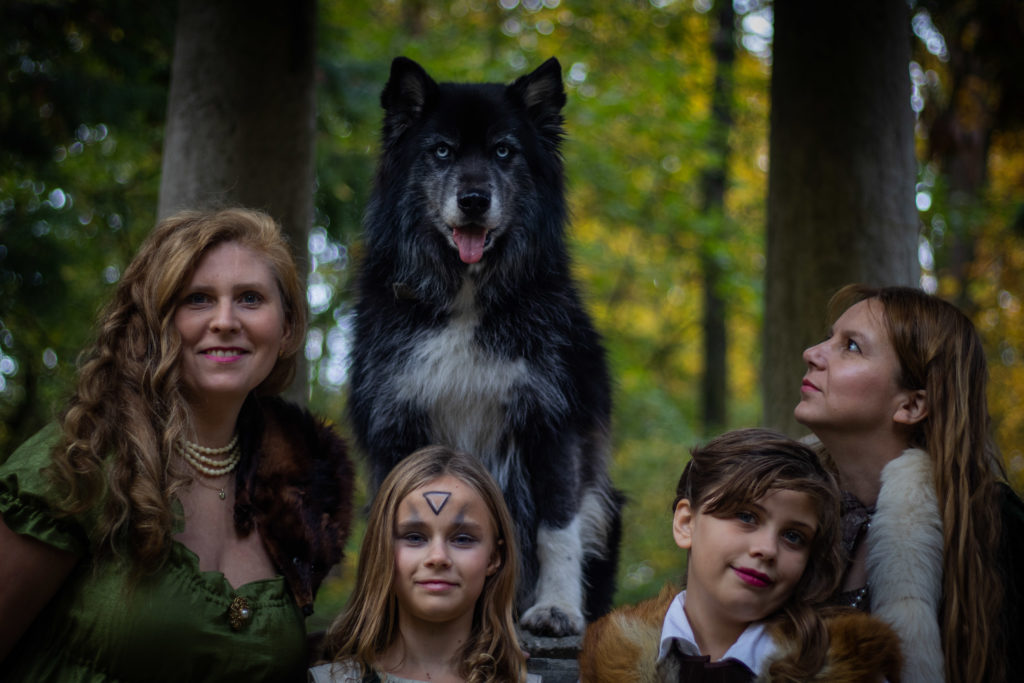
x: 80, y: 119
x: 967, y: 92
x: 639, y: 81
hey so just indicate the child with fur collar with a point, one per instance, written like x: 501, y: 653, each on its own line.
x: 759, y: 517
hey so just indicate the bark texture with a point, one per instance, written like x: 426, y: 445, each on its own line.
x: 241, y: 115
x: 714, y: 180
x: 841, y: 185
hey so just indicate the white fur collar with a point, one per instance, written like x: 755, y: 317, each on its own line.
x: 904, y: 563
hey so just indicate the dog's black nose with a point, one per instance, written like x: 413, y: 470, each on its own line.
x: 475, y: 202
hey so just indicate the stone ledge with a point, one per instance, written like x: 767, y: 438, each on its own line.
x: 554, y: 659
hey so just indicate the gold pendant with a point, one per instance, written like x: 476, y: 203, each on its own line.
x: 239, y: 613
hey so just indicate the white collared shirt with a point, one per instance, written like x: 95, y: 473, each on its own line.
x: 752, y: 648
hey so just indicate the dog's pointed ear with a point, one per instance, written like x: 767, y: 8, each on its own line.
x: 408, y: 91
x: 542, y: 93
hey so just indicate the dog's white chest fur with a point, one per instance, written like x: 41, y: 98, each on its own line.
x: 463, y: 388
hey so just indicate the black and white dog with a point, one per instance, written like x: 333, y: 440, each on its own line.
x: 470, y: 332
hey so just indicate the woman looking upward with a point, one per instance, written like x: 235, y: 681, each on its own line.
x: 896, y: 396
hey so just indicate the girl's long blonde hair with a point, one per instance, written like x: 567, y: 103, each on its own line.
x: 128, y: 411
x: 941, y: 352
x: 369, y: 623
x: 742, y: 466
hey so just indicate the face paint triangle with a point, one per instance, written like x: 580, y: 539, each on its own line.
x: 437, y: 500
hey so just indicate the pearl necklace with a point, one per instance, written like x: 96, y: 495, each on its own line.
x: 198, y: 457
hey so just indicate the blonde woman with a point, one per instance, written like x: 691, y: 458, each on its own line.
x: 175, y: 522
x: 896, y: 396
x: 435, y: 589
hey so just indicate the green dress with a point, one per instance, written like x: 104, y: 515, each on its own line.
x: 172, y: 626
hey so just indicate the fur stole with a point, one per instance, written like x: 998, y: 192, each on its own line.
x: 295, y: 487
x: 904, y: 563
x: 860, y: 648
x: 622, y: 647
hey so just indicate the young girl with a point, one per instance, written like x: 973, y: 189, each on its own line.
x: 760, y: 519
x: 434, y: 593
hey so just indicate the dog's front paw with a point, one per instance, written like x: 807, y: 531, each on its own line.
x: 552, y: 620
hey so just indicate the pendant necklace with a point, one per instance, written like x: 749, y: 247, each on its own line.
x: 199, y: 458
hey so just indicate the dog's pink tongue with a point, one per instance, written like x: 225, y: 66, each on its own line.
x: 470, y: 241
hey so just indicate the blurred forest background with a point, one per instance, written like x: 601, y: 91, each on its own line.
x: 85, y: 98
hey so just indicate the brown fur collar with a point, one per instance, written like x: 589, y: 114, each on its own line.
x: 622, y: 647
x: 861, y: 648
x: 295, y: 486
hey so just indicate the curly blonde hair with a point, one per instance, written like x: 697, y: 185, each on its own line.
x: 128, y: 411
x: 369, y: 624
x: 940, y: 351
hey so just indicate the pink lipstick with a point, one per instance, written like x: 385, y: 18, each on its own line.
x: 752, y: 577
x: 223, y: 355
x: 436, y: 586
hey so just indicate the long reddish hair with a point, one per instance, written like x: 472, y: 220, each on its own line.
x: 940, y: 351
x: 128, y: 411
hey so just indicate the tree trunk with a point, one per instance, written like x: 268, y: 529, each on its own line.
x: 241, y: 115
x: 714, y: 387
x: 841, y: 187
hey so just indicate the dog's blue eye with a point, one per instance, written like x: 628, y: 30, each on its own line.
x: 502, y: 152
x: 442, y: 151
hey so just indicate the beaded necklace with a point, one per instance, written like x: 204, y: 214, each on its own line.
x: 198, y: 457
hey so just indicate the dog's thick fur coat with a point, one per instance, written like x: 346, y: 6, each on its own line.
x: 469, y: 330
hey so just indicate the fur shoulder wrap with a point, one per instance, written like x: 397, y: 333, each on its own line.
x: 905, y: 563
x: 295, y: 486
x: 622, y: 647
